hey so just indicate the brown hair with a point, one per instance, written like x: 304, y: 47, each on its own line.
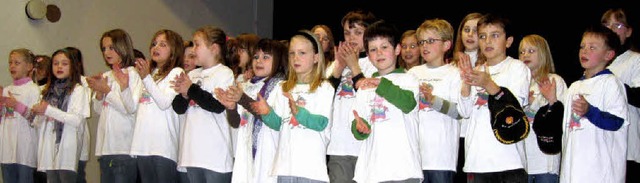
x: 122, y: 45
x: 176, y: 46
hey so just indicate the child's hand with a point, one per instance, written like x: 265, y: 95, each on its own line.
x: 235, y: 92
x: 121, y: 77
x: 10, y: 101
x: 427, y: 91
x: 339, y: 65
x: 349, y: 54
x: 483, y: 79
x: 580, y: 106
x: 548, y: 90
x: 261, y: 107
x: 367, y: 83
x: 181, y: 84
x: 40, y: 108
x: 98, y: 83
x: 143, y: 67
x: 223, y: 98
x: 292, y: 103
x: 248, y: 74
x: 360, y: 125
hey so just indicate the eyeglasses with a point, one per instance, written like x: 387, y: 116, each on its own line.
x: 428, y: 41
x: 614, y: 25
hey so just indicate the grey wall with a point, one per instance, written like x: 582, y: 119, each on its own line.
x: 83, y: 22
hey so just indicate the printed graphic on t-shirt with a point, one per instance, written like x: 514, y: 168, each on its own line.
x: 574, y: 124
x: 424, y: 103
x: 346, y: 87
x: 483, y: 97
x: 9, y: 113
x: 145, y: 98
x: 301, y: 102
x: 378, y: 110
x: 244, y: 117
x: 531, y: 114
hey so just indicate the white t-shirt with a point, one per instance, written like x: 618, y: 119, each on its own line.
x: 438, y: 132
x: 590, y: 153
x: 116, y: 122
x: 302, y: 151
x: 483, y: 152
x: 246, y: 168
x: 64, y: 155
x: 627, y: 68
x: 206, y: 139
x: 473, y: 55
x: 18, y: 138
x: 157, y: 125
x: 343, y: 143
x: 391, y: 152
x: 537, y: 161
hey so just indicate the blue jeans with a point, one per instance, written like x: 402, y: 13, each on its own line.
x: 118, y: 169
x: 438, y: 176
x: 201, y: 175
x: 544, y: 178
x: 157, y: 169
x: 82, y: 176
x: 290, y: 179
x: 17, y: 173
x: 61, y: 176
x: 508, y: 176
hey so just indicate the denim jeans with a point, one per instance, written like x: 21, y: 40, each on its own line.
x: 438, y: 176
x: 544, y: 178
x: 508, y: 176
x: 157, y: 169
x: 17, y: 173
x: 118, y: 169
x: 201, y: 175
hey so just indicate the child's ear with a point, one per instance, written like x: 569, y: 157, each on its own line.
x: 611, y: 54
x: 509, y: 41
x: 398, y: 49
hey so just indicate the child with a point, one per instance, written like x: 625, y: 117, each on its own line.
x: 465, y: 47
x: 438, y: 129
x: 257, y: 142
x: 542, y: 167
x: 41, y: 70
x: 116, y: 122
x: 388, y: 105
x: 62, y: 115
x: 189, y: 57
x: 595, y: 126
x: 157, y: 156
x: 325, y: 36
x: 240, y: 53
x: 626, y: 66
x: 205, y: 141
x: 18, y: 136
x: 505, y: 79
x: 410, y: 53
x: 86, y: 137
x: 351, y: 64
x: 298, y: 108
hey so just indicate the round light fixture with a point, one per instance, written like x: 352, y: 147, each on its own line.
x: 53, y: 13
x: 36, y: 9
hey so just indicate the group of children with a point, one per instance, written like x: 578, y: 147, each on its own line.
x: 382, y: 108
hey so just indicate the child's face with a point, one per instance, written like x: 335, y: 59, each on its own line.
x: 323, y: 38
x: 594, y: 54
x: 493, y: 42
x: 383, y: 54
x: 302, y: 58
x: 619, y: 28
x: 470, y: 35
x: 109, y: 52
x: 433, y: 48
x: 530, y: 55
x: 160, y: 49
x: 410, y: 52
x: 18, y: 66
x: 189, y: 59
x: 202, y: 49
x: 354, y: 36
x: 61, y: 66
x: 262, y: 64
x: 244, y: 57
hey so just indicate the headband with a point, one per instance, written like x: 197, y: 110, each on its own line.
x: 310, y: 38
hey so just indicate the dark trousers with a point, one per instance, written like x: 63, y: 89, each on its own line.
x: 157, y: 169
x: 17, y: 173
x: 118, y: 169
x: 509, y: 176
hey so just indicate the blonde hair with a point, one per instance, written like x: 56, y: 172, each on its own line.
x: 544, y: 54
x: 440, y: 27
x: 317, y: 74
